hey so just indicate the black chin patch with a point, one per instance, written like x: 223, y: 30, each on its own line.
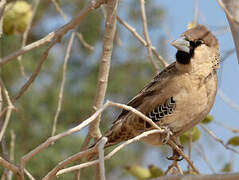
x: 183, y: 57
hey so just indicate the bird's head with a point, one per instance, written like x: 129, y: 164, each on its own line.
x: 196, y: 47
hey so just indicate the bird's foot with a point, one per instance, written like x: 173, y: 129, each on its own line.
x: 167, y: 133
x: 176, y: 156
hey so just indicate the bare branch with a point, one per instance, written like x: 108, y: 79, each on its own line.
x: 201, y: 152
x: 232, y: 176
x: 142, y: 41
x: 12, y: 150
x: 9, y: 166
x: 59, y: 104
x: 9, y: 107
x: 59, y: 10
x: 77, y: 156
x: 84, y: 43
x: 25, y: 35
x: 227, y: 100
x: 195, y: 12
x: 35, y: 73
x: 110, y: 29
x: 230, y: 8
x: 101, y: 157
x: 175, y: 147
x: 118, y: 148
x: 52, y: 139
x: 218, y: 140
x: 146, y: 35
x: 228, y: 13
x: 2, y: 7
x: 56, y: 35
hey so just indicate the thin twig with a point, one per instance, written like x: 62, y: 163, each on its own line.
x: 2, y: 7
x: 12, y: 149
x: 190, y: 146
x: 29, y: 175
x: 35, y: 73
x: 78, y: 128
x: 25, y: 35
x: 118, y: 148
x: 175, y: 147
x: 84, y: 43
x: 230, y: 128
x: 227, y: 12
x: 52, y: 139
x: 10, y: 107
x: 69, y: 160
x: 59, y: 104
x: 202, y: 153
x: 146, y: 35
x: 65, y: 17
x: 9, y: 166
x: 227, y: 100
x: 110, y: 28
x: 58, y: 8
x: 142, y: 41
x: 56, y: 35
x: 101, y: 157
x: 195, y: 12
x: 218, y: 139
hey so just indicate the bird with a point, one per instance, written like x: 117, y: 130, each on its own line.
x: 178, y: 97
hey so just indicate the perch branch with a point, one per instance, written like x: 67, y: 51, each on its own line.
x: 180, y: 151
x: 118, y: 148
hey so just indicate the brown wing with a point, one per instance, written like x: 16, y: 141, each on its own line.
x: 148, y: 90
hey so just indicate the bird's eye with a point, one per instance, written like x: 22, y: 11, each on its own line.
x: 198, y: 42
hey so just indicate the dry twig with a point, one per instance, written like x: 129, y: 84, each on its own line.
x: 118, y: 148
x: 35, y: 73
x: 146, y: 35
x: 25, y: 35
x: 59, y: 104
x: 101, y: 157
x: 9, y: 108
x: 227, y: 12
x: 218, y: 140
x: 65, y: 17
x: 180, y: 151
x: 77, y: 156
x: 2, y: 7
x: 142, y: 41
x: 56, y: 35
x: 110, y: 28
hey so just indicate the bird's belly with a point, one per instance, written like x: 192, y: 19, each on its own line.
x: 194, y: 105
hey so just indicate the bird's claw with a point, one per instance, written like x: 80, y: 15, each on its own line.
x: 168, y: 134
x: 176, y: 156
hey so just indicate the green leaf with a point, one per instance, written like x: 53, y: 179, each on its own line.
x: 138, y: 172
x: 209, y: 118
x: 155, y: 171
x: 227, y: 167
x: 184, y: 139
x: 234, y: 141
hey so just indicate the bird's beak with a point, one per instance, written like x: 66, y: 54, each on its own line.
x: 181, y: 44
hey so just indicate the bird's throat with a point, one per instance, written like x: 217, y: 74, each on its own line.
x: 183, y: 57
